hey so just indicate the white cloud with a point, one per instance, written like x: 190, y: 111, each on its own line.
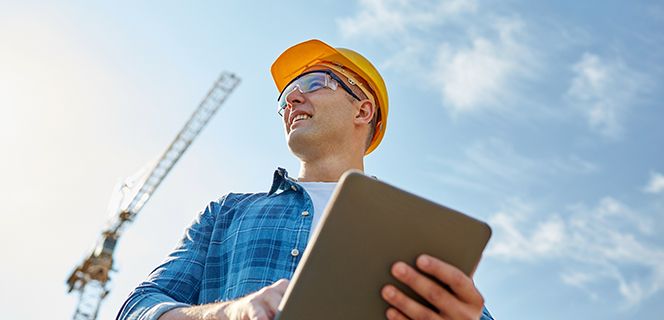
x: 375, y: 19
x: 391, y: 19
x: 601, y: 244
x: 472, y: 59
x: 546, y: 238
x: 656, y: 184
x: 604, y: 91
x: 479, y: 75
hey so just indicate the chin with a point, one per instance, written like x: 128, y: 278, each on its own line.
x: 297, y: 140
x: 301, y: 142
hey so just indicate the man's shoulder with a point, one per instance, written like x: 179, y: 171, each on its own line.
x: 232, y: 204
x: 280, y: 182
x: 243, y: 195
x: 234, y: 199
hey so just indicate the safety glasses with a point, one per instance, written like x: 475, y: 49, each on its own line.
x: 310, y: 82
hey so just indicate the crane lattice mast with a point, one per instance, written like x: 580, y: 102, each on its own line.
x: 91, y: 277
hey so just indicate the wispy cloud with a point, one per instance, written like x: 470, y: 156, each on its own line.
x: 478, y: 75
x: 392, y: 19
x: 600, y: 244
x: 604, y: 90
x: 510, y: 242
x: 494, y: 164
x: 656, y: 183
x: 472, y: 59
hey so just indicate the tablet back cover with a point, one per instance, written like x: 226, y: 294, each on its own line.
x: 368, y: 226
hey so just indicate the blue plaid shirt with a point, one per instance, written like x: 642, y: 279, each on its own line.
x: 236, y: 246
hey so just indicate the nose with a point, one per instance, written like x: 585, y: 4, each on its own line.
x: 294, y: 97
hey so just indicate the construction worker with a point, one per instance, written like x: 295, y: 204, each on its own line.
x: 235, y: 259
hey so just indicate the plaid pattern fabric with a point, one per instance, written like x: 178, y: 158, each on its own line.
x: 234, y: 247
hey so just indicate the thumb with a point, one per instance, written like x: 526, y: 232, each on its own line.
x: 276, y: 293
x: 280, y: 286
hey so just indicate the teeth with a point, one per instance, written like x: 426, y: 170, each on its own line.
x: 301, y: 117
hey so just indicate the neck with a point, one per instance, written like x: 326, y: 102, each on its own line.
x: 328, y: 169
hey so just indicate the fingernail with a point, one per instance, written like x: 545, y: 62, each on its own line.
x: 389, y: 292
x: 399, y: 269
x: 424, y: 260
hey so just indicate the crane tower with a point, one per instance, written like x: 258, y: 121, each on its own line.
x: 90, y: 278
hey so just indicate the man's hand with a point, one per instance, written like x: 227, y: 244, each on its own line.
x: 260, y: 305
x: 463, y: 301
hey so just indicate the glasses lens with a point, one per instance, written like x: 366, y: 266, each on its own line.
x: 308, y: 82
x: 312, y: 82
x: 282, y: 103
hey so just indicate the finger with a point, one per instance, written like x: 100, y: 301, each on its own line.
x: 274, y: 294
x: 431, y: 291
x: 280, y: 286
x: 394, y: 314
x: 407, y: 306
x: 260, y: 314
x: 271, y: 302
x: 462, y: 286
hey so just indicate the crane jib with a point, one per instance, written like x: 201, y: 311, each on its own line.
x: 91, y: 277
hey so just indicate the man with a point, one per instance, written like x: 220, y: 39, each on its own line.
x: 235, y: 259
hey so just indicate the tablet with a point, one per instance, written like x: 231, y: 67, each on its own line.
x: 366, y: 227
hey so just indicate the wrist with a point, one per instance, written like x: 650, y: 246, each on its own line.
x: 211, y: 311
x: 220, y: 310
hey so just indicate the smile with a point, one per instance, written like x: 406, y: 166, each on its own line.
x: 301, y: 117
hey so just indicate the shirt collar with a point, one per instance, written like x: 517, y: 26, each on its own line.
x: 281, y: 182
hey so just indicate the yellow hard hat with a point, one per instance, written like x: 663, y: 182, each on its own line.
x: 299, y: 57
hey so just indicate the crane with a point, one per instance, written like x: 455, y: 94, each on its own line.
x: 90, y: 278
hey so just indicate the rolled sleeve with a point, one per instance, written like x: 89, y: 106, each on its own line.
x: 486, y: 315
x: 176, y: 282
x: 157, y: 310
x: 142, y: 305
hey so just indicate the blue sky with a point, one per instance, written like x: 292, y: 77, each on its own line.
x: 542, y: 119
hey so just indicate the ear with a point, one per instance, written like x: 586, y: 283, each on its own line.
x: 365, y: 112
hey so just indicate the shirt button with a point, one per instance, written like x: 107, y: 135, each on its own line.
x: 305, y: 213
x: 294, y: 188
x: 295, y: 252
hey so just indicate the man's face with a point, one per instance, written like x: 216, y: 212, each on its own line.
x: 322, y: 118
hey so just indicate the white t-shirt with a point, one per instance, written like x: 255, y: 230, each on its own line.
x: 320, y: 193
